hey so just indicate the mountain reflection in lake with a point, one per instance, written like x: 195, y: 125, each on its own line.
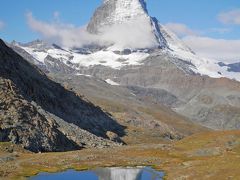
x: 104, y: 174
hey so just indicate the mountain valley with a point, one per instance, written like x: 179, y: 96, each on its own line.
x: 133, y: 94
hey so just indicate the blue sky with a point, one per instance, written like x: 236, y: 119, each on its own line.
x: 185, y: 17
x: 198, y: 15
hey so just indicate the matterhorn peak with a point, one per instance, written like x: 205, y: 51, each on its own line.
x: 117, y: 12
x: 127, y: 24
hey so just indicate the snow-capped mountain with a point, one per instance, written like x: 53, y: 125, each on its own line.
x: 117, y: 12
x: 121, y: 17
x: 143, y: 55
x: 132, y: 36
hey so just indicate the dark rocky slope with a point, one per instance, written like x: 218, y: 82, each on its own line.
x: 37, y: 112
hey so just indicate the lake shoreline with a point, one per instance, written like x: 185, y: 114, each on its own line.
x: 114, y: 173
x: 197, y: 156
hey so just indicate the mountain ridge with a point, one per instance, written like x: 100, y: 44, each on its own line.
x: 123, y: 41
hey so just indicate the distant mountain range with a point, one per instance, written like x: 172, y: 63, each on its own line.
x: 231, y: 67
x: 122, y: 34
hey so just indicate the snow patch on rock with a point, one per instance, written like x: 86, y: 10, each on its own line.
x: 111, y: 82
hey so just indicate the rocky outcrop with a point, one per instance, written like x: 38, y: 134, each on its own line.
x: 54, y: 65
x: 21, y: 123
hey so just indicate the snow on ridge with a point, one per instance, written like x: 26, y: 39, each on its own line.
x: 38, y: 55
x: 103, y: 57
x: 204, y: 66
x: 109, y: 58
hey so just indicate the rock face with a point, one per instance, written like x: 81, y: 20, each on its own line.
x: 32, y: 107
x: 117, y: 12
x: 21, y: 123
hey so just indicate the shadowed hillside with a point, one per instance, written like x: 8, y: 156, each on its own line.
x: 46, y: 102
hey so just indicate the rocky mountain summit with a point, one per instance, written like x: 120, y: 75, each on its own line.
x: 123, y: 13
x: 41, y: 115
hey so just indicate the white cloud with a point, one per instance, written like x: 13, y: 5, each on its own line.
x: 230, y: 17
x: 63, y: 34
x: 219, y: 30
x: 220, y: 49
x: 180, y: 29
x: 122, y: 35
x: 131, y: 34
x: 2, y: 24
x: 127, y: 35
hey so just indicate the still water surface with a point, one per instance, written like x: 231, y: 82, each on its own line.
x: 116, y: 173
